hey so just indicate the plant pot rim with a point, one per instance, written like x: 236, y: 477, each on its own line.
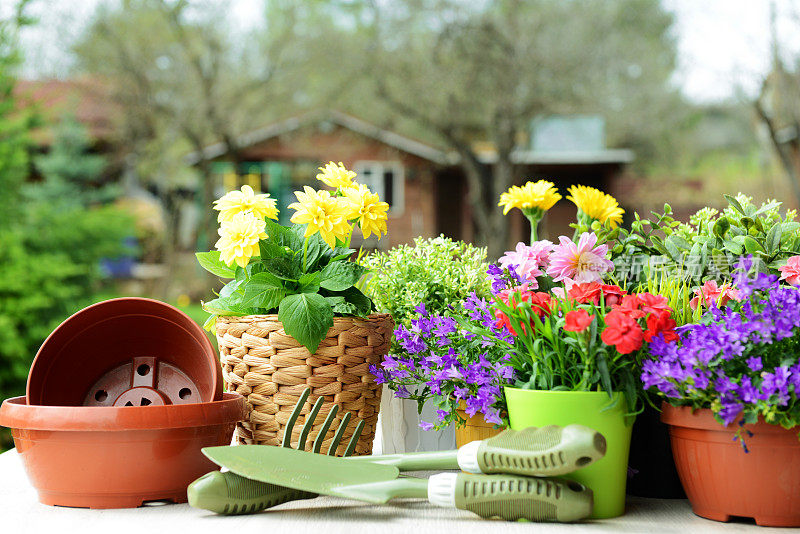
x: 557, y: 393
x: 274, y: 317
x: 703, y: 418
x: 82, y: 320
x: 16, y: 413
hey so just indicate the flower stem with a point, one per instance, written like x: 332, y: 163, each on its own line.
x: 305, y: 254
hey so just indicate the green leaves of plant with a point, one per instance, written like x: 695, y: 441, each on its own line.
x: 339, y: 275
x: 210, y: 262
x: 306, y: 317
x: 263, y: 290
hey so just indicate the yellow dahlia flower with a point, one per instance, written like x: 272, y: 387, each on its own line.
x: 336, y: 176
x: 541, y: 195
x: 367, y: 207
x: 238, y: 241
x: 596, y: 205
x: 245, y: 200
x: 323, y: 213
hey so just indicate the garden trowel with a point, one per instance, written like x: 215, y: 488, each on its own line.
x: 508, y: 496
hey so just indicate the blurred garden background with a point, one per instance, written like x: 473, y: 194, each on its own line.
x: 122, y: 120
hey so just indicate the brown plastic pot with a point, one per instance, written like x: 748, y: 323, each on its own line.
x: 125, y: 352
x: 118, y: 457
x: 723, y: 481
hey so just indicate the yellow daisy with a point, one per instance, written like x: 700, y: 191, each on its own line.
x: 245, y: 200
x: 367, y: 207
x: 336, y: 176
x: 596, y: 205
x: 541, y: 195
x: 239, y: 236
x: 323, y: 213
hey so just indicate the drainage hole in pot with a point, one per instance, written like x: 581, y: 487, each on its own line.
x: 143, y: 369
x: 185, y: 393
x: 101, y: 395
x: 574, y: 486
x: 583, y: 460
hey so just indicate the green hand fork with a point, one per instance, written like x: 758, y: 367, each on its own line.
x: 549, y: 451
x: 510, y: 497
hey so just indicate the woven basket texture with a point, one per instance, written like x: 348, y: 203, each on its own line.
x: 271, y: 369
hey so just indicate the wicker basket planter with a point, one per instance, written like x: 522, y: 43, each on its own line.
x: 270, y: 369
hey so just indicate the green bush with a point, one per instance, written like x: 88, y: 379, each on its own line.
x: 437, y: 272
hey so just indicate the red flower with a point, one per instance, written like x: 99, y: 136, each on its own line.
x: 623, y: 332
x: 586, y: 292
x: 654, y: 303
x: 630, y: 306
x: 578, y: 321
x: 661, y: 323
x: 612, y: 295
x: 541, y: 304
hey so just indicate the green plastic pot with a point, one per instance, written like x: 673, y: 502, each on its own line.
x: 607, y: 476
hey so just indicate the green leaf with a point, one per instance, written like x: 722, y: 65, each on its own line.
x: 362, y: 302
x: 263, y: 290
x: 282, y: 236
x: 309, y: 282
x: 721, y: 227
x: 735, y: 203
x: 269, y: 250
x: 773, y: 241
x: 340, y: 275
x: 285, y: 268
x: 605, y: 376
x: 672, y: 249
x: 229, y: 288
x: 226, y: 306
x: 210, y: 262
x: 752, y: 246
x: 306, y: 317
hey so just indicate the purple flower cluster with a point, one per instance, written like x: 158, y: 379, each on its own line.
x: 451, y: 363
x: 503, y: 277
x: 740, y: 360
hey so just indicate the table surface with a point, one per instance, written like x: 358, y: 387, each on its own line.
x: 20, y: 512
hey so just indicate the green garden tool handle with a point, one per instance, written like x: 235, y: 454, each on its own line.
x: 512, y: 497
x: 230, y: 494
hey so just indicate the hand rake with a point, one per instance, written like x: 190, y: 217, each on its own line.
x: 547, y: 451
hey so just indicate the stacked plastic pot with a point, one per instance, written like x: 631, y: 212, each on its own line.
x: 120, y: 399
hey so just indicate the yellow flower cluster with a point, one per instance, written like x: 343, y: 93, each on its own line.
x: 541, y: 195
x: 333, y: 215
x: 239, y: 236
x: 245, y: 200
x: 596, y: 205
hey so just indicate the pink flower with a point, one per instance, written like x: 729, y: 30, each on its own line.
x: 711, y: 293
x: 579, y: 263
x: 791, y: 271
x: 529, y: 260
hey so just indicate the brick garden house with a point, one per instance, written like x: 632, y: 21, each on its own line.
x: 422, y: 183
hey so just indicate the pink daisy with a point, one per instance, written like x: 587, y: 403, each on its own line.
x: 529, y: 260
x: 581, y: 263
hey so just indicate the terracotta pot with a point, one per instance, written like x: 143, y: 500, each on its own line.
x: 125, y: 352
x: 118, y: 457
x: 723, y: 481
x: 475, y: 429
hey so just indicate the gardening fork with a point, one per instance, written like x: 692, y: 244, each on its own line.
x: 530, y: 452
x: 234, y: 494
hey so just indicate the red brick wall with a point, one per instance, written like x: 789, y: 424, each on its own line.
x: 314, y: 143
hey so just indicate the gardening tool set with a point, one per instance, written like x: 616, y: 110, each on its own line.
x: 504, y: 475
x: 124, y: 405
